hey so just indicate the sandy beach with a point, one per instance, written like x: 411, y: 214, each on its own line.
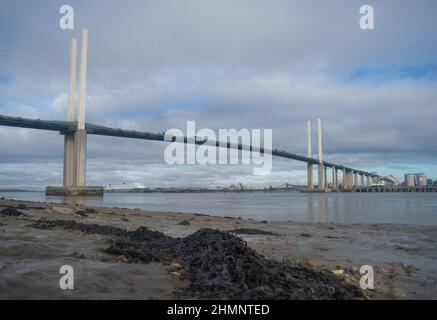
x: 32, y: 249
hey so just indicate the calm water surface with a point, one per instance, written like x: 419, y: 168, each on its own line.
x: 407, y: 208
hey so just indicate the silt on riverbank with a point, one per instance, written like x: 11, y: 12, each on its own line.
x: 129, y: 253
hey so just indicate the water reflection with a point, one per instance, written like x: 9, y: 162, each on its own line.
x: 310, y: 206
x: 409, y: 208
x: 322, y: 208
x: 77, y: 200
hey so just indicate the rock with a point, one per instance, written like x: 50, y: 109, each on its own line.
x: 355, y: 269
x: 21, y: 207
x: 78, y: 255
x: 264, y: 221
x: 184, y: 223
x: 176, y: 274
x: 64, y: 210
x: 176, y: 266
x: 12, y: 212
x: 90, y: 210
x: 397, y: 294
x: 312, y: 263
x: 81, y: 213
x: 121, y: 258
x: 338, y: 272
x: 348, y: 279
x: 305, y: 235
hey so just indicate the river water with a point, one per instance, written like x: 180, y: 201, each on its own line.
x: 404, y: 208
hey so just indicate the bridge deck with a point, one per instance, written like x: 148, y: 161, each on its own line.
x: 65, y: 126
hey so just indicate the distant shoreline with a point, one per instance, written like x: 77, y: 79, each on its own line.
x: 19, y: 190
x: 183, y: 190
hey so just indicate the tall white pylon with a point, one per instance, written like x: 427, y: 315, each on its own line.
x: 321, y: 173
x: 83, y: 76
x: 80, y: 136
x: 69, y: 144
x: 309, y: 165
x: 73, y: 66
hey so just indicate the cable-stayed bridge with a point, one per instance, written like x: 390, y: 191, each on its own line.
x: 75, y: 132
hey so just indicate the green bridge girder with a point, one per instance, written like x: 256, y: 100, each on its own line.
x: 66, y: 126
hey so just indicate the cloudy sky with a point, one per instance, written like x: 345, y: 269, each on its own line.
x: 226, y: 64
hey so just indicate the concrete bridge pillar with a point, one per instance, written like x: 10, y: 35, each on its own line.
x: 362, y: 180
x: 368, y: 181
x: 321, y: 177
x: 75, y: 143
x: 80, y: 154
x: 321, y: 167
x: 344, y: 179
x: 309, y: 177
x: 350, y: 180
x: 309, y: 165
x: 80, y: 134
x: 334, y: 179
x: 325, y: 179
x: 69, y: 159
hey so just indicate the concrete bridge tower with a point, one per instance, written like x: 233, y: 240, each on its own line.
x: 75, y: 141
x: 69, y: 161
x: 321, y: 167
x: 309, y: 165
x: 80, y: 134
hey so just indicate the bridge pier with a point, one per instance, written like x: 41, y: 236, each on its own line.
x: 75, y: 143
x: 321, y: 177
x: 350, y: 178
x: 309, y: 177
x: 309, y: 165
x: 80, y: 154
x: 69, y: 145
x: 321, y: 167
x: 334, y: 179
x: 69, y: 160
x: 344, y: 179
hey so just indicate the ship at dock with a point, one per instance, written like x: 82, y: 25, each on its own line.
x: 125, y: 188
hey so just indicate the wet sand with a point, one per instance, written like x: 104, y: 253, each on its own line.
x: 404, y: 257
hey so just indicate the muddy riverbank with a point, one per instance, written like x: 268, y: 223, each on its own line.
x: 136, y: 254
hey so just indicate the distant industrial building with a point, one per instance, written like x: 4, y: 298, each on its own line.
x: 410, y: 180
x: 416, y: 179
x: 421, y: 180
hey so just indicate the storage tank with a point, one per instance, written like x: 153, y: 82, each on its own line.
x: 410, y: 180
x: 421, y: 180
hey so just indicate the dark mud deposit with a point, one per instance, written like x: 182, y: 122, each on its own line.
x: 218, y: 264
x: 12, y: 212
